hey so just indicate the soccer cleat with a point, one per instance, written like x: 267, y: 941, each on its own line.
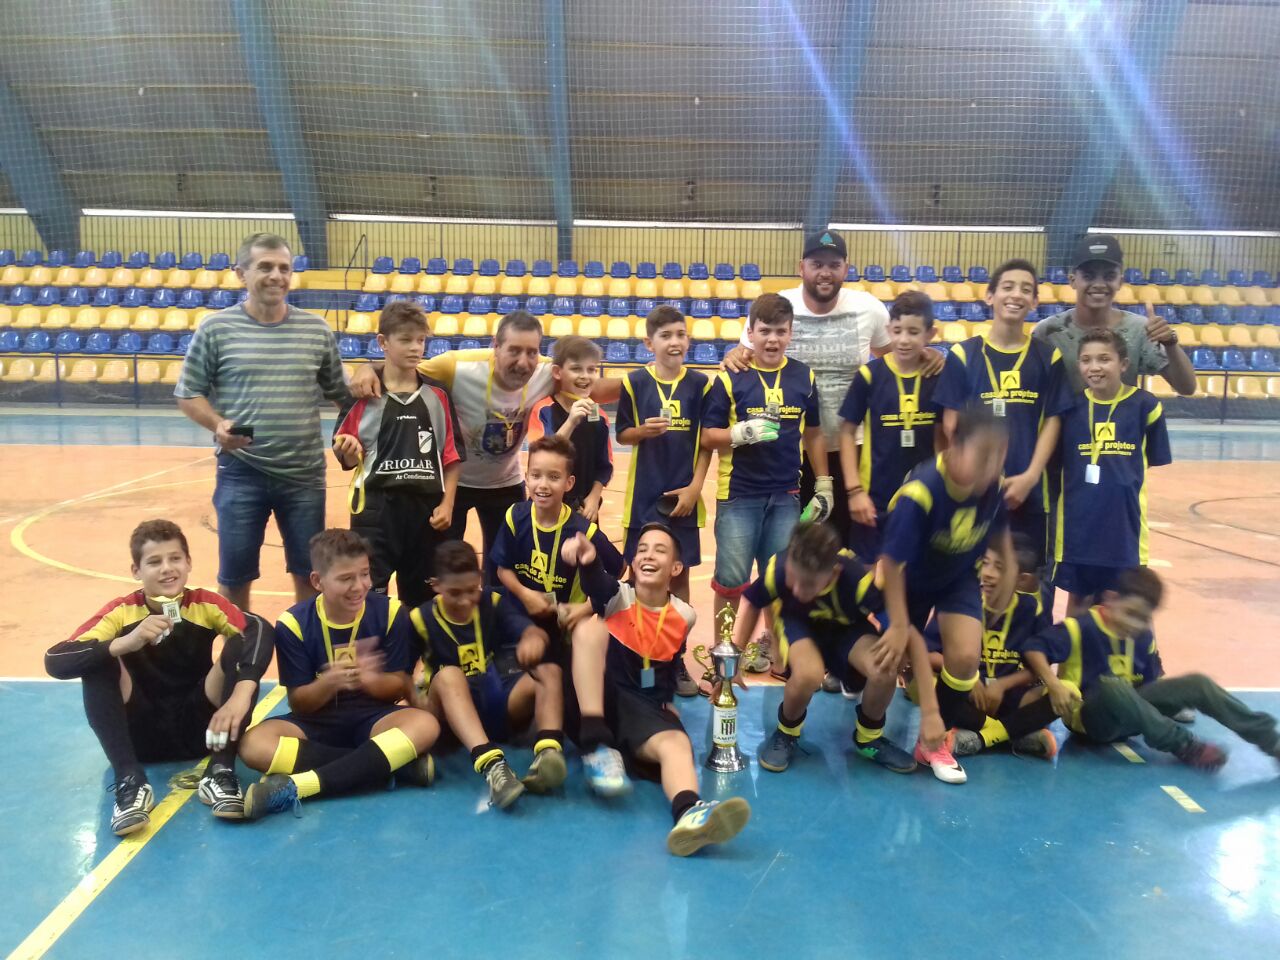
x: 776, y: 753
x: 708, y: 821
x: 966, y: 743
x: 504, y: 787
x: 1038, y: 743
x: 849, y: 694
x: 134, y: 800
x: 888, y: 754
x: 831, y: 683
x: 274, y: 793
x: 418, y: 772
x: 606, y: 773
x: 1185, y: 715
x: 1202, y: 755
x: 686, y: 686
x: 941, y: 760
x: 220, y: 790
x: 547, y: 772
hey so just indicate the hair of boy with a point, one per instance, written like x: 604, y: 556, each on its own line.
x: 454, y: 557
x: 661, y: 316
x: 575, y: 349
x: 912, y: 303
x: 664, y: 529
x: 1140, y: 582
x: 976, y: 419
x: 518, y: 321
x: 1106, y: 335
x: 556, y: 444
x: 814, y: 547
x: 155, y: 531
x: 259, y: 241
x: 770, y: 308
x: 1024, y: 552
x: 334, y: 544
x: 402, y: 315
x: 1008, y: 267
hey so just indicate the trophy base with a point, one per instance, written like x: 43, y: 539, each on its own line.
x: 726, y: 760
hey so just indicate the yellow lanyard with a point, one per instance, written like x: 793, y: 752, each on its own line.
x: 509, y: 423
x: 907, y: 411
x: 438, y: 611
x: 637, y: 617
x: 771, y: 394
x: 666, y: 398
x: 991, y: 372
x: 548, y: 581
x: 324, y: 629
x: 1002, y: 632
x: 1095, y: 444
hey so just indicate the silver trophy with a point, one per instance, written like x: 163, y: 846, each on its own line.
x: 725, y: 757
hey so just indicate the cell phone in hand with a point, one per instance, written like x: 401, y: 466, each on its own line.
x: 241, y: 430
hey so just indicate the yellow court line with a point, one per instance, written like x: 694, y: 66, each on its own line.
x: 1182, y: 800
x: 60, y: 918
x: 1128, y: 753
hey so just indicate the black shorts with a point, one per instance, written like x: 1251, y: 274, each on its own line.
x: 634, y: 718
x: 833, y: 640
x: 489, y: 693
x: 345, y: 724
x: 1012, y: 701
x: 398, y: 527
x: 169, y: 728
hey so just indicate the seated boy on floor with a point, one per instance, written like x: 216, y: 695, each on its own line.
x: 344, y: 657
x: 1110, y: 683
x: 153, y: 691
x: 488, y: 677
x: 632, y: 654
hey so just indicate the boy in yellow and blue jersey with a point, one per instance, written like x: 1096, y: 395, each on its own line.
x: 891, y: 400
x: 1110, y: 437
x: 344, y: 658
x: 761, y: 420
x: 1110, y: 683
x: 572, y: 414
x: 485, y: 660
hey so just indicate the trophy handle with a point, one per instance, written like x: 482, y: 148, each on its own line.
x: 708, y: 669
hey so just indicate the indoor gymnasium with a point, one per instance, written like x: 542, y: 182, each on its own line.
x: 565, y: 479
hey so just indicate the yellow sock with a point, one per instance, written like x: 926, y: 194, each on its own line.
x: 963, y: 686
x: 286, y: 756
x: 993, y: 732
x: 547, y: 744
x: 866, y: 734
x: 308, y: 783
x: 396, y: 747
x: 487, y: 758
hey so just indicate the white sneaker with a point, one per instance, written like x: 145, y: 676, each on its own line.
x: 132, y: 810
x: 943, y: 764
x: 606, y: 773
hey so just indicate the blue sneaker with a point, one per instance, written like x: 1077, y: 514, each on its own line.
x: 708, y: 821
x: 274, y: 793
x: 777, y: 751
x: 882, y: 751
x: 606, y: 773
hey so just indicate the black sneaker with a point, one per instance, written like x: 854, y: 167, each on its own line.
x: 831, y: 684
x: 547, y: 772
x: 776, y: 753
x: 418, y: 772
x: 504, y: 787
x: 220, y: 790
x: 686, y: 686
x: 274, y: 793
x: 134, y: 800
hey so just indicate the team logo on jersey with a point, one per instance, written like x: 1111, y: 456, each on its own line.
x: 992, y: 642
x: 538, y: 561
x: 907, y: 403
x: 672, y: 408
x: 1121, y: 664
x: 497, y: 437
x: 1104, y: 433
x: 962, y: 524
x: 345, y: 654
x: 426, y: 440
x: 469, y: 659
x: 1011, y: 380
x: 773, y: 395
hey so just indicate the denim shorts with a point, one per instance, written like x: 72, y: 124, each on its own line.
x: 244, y: 498
x: 751, y: 529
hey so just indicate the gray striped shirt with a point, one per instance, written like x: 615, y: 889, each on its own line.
x: 271, y: 377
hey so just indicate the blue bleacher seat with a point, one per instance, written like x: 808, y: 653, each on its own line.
x: 99, y: 342
x: 159, y: 342
x: 562, y: 307
x: 723, y: 271
x: 373, y: 349
x: 11, y: 341
x: 1252, y: 316
x: 619, y: 307
x: 164, y: 298
x: 350, y: 347
x: 438, y: 346
x: 672, y: 271
x: 30, y: 258
x: 620, y: 270
x: 1237, y: 278
x: 1133, y: 276
x: 642, y: 354
x: 680, y: 305
x: 191, y: 299
x: 851, y: 274
x: 470, y: 344
x: 644, y: 306
x: 729, y: 310
x: 536, y: 306
x: 111, y: 259
x: 480, y: 305
x: 516, y: 268
x: 749, y: 271
x: 368, y: 303
x: 567, y: 268
x: 221, y: 299
x: 952, y: 275
x: 301, y: 264
x: 978, y: 275
x: 166, y: 260
x: 130, y: 342
x: 463, y: 267
x: 437, y: 266
x: 1264, y: 360
x: 646, y: 270
x: 426, y: 301
x: 548, y: 344
x: 7, y: 258
x: 617, y: 352
x: 900, y: 273
x: 1233, y: 359
x: 926, y: 275
x: 1271, y: 315
x: 489, y: 268
x: 134, y: 297
x: 184, y: 343
x: 1184, y: 277
x: 383, y: 265
x: 1159, y: 275
x: 540, y: 268
x: 874, y: 273
x: 222, y: 261
x: 1053, y: 309
x: 83, y: 259
x: 56, y: 258
x: 700, y: 309
x: 1056, y: 275
x: 21, y: 295
x: 1191, y: 314
x: 411, y: 265
x: 593, y: 268
x: 1036, y: 314
x: 1262, y: 279
x: 191, y: 261
x: 451, y: 304
x: 508, y: 305
x: 68, y: 342
x: 591, y: 307
x: 75, y: 297
x: 974, y: 312
x: 705, y: 353
x: 1205, y: 359
x: 1211, y: 278
x: 1137, y: 309
x: 47, y: 296
x: 699, y: 271
x: 393, y: 297
x: 37, y: 341
x: 945, y: 311
x: 106, y: 297
x: 1167, y: 313
x: 1219, y: 314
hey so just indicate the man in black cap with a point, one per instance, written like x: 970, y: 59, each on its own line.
x: 1097, y: 268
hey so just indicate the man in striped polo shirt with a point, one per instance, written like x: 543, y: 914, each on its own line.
x: 260, y: 362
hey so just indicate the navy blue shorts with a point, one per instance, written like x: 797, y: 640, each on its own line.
x: 490, y: 692
x: 690, y: 539
x: 343, y: 723
x: 1085, y: 580
x: 962, y: 595
x: 833, y: 640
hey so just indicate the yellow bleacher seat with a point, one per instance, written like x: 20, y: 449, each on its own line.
x: 67, y: 277
x: 57, y: 318
x: 512, y: 287
x: 619, y: 328
x: 981, y: 329
x: 457, y: 285
x: 1066, y: 294
x: 591, y: 328
x: 176, y: 321
x: 1273, y: 387
x: 726, y: 290
x: 854, y: 285
x: 1247, y: 388
x: 564, y: 287
x: 204, y: 280
x: 297, y: 281
x: 1186, y: 334
x: 121, y: 277
x: 199, y: 316
x: 116, y: 371
x: 1125, y: 295
x: 12, y: 276
x: 646, y: 288
x: 178, y: 279
x: 1159, y: 387
x: 881, y: 291
x: 640, y: 329
x: 474, y: 325
x: 332, y: 318
x: 39, y: 276
x: 618, y: 287
x: 87, y: 318
x: 592, y: 287
x: 1211, y: 386
x: 672, y: 289
x: 699, y: 289
x: 230, y: 280
x: 374, y: 283
x: 95, y: 277
x: 359, y: 323
x: 730, y: 330
x: 172, y: 372
x: 900, y: 288
x: 403, y: 283
x: 443, y: 324
x: 117, y: 318
x: 1203, y: 296
x: 6, y: 316
x: 145, y: 319
x: 1149, y: 293
x: 702, y: 329
x: 49, y: 372
x: 148, y: 371
x: 1176, y: 296
x: 20, y: 371
x: 954, y: 332
x: 27, y: 317
x: 149, y: 279
x: 937, y: 292
x: 83, y: 371
x: 1268, y: 336
x: 1048, y: 293
x: 1211, y: 336
x: 1230, y: 297
x: 1255, y: 296
x: 431, y: 283
x: 964, y: 292
x: 484, y: 286
x: 1238, y: 335
x: 538, y: 287
x: 1273, y: 296
x: 560, y: 327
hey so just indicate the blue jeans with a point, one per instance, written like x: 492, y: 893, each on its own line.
x: 244, y: 498
x: 751, y: 529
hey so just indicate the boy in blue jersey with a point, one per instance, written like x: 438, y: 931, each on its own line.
x: 939, y: 525
x: 761, y: 420
x: 1110, y: 437
x: 891, y: 400
x: 1110, y: 683
x: 1022, y: 381
x: 572, y: 414
x: 821, y: 598
x: 660, y: 416
x: 488, y: 679
x: 345, y: 659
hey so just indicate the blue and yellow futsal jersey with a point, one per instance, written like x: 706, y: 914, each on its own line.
x: 898, y: 415
x: 1106, y: 448
x: 850, y: 598
x: 307, y: 641
x: 485, y: 643
x: 1023, y: 387
x: 763, y: 468
x: 533, y: 552
x: 666, y: 462
x: 1003, y: 634
x: 1085, y: 649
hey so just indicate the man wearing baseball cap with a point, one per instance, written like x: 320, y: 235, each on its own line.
x: 1097, y: 268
